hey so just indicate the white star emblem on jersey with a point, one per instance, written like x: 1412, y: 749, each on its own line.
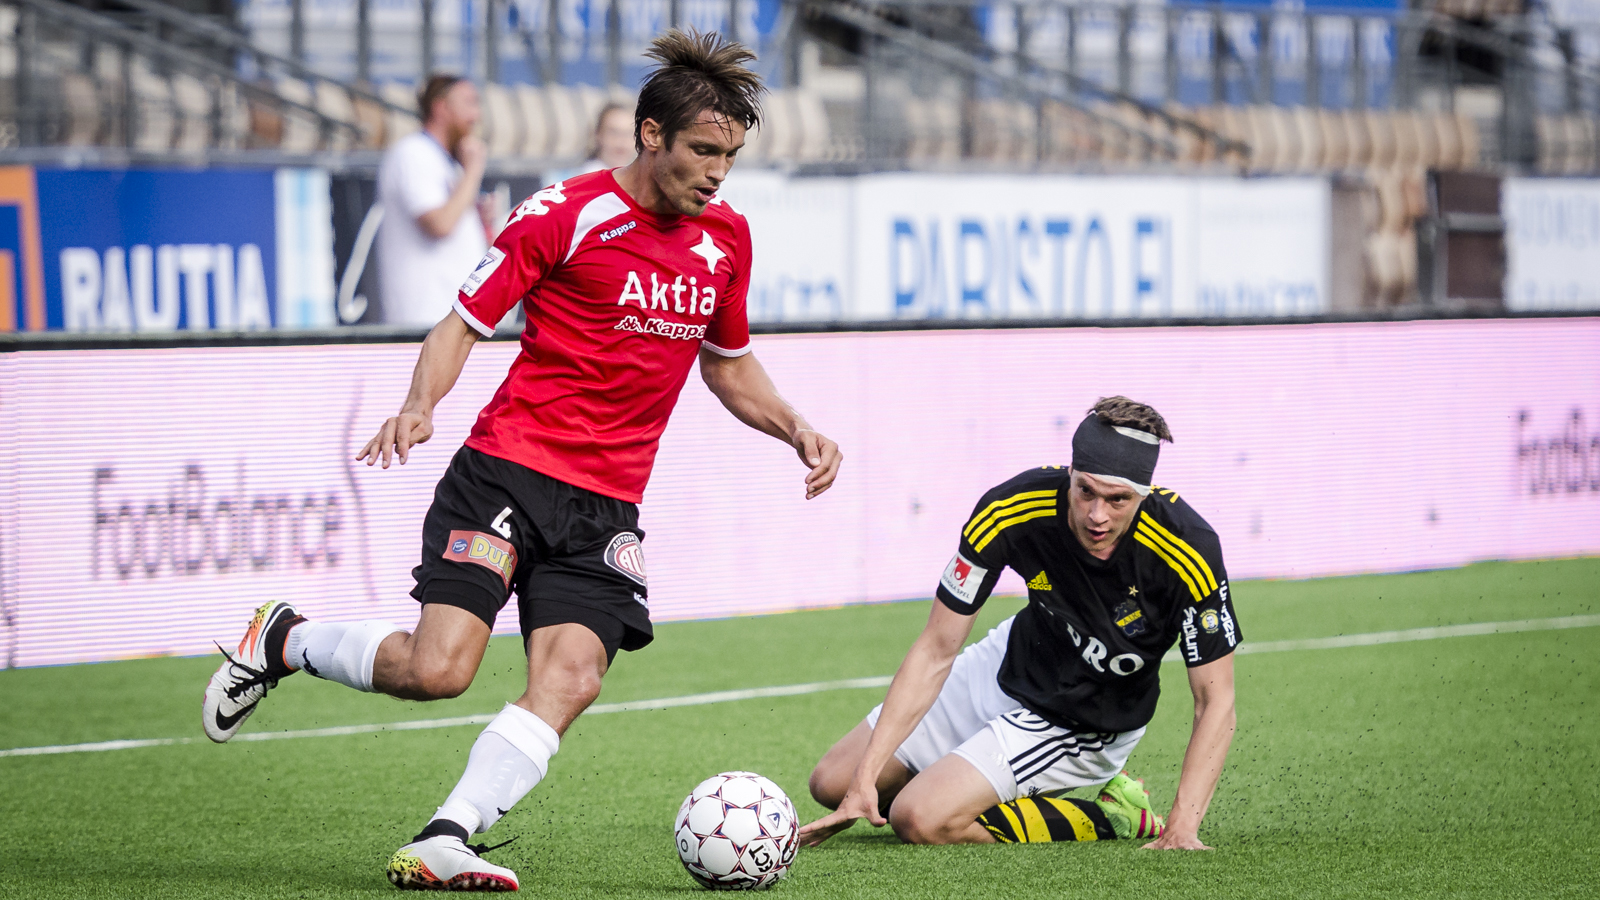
x: 708, y: 250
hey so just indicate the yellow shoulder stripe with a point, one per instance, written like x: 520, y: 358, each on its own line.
x: 1003, y: 524
x: 1002, y: 507
x: 1143, y: 538
x: 1210, y: 580
x: 1173, y: 554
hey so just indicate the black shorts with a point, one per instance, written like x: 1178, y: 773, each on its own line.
x: 571, y: 555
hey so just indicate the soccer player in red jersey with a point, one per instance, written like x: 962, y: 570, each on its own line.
x: 627, y: 276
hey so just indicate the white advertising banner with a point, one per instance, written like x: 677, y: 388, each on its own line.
x: 1552, y: 242
x: 800, y: 230
x: 153, y: 498
x: 927, y: 246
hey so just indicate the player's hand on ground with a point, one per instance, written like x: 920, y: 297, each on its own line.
x: 856, y: 805
x: 1173, y: 840
x: 822, y: 454
x: 396, y: 438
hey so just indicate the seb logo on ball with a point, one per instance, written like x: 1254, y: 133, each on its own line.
x: 626, y: 555
x: 479, y: 549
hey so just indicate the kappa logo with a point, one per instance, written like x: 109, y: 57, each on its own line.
x: 617, y: 232
x: 677, y: 330
x: 479, y: 549
x: 626, y: 554
x: 535, y: 205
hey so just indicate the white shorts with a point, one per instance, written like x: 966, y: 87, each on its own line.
x: 1019, y: 753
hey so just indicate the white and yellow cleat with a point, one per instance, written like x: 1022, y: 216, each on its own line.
x: 446, y: 863
x: 247, y: 673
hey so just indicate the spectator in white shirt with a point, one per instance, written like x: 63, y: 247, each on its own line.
x: 433, y: 230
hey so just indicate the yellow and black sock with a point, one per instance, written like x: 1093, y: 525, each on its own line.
x: 1038, y: 820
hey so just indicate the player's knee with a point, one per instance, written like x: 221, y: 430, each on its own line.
x: 439, y: 679
x: 826, y: 786
x: 578, y: 681
x: 920, y: 823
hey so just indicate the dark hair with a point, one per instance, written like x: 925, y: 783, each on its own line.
x: 432, y: 91
x: 697, y: 72
x: 1119, y: 410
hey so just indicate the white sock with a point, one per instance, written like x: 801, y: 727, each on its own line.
x: 338, y: 651
x: 508, y: 759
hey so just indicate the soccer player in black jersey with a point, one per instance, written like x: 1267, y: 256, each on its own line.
x: 977, y: 746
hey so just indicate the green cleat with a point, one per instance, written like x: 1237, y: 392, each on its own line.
x: 1126, y: 805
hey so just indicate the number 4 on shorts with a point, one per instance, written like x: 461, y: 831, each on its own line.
x: 499, y: 524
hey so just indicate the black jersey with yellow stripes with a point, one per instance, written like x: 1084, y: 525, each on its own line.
x: 1085, y: 653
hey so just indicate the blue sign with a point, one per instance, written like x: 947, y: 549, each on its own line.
x: 153, y: 251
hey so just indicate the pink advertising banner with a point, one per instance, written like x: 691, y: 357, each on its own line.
x: 152, y: 498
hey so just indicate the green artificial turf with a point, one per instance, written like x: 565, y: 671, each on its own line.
x: 1461, y: 767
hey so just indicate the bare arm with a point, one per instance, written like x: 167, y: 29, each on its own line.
x: 916, y: 685
x: 440, y: 222
x: 444, y: 354
x: 742, y: 384
x: 1214, y: 722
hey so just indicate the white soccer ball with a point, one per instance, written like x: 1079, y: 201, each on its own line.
x: 737, y: 832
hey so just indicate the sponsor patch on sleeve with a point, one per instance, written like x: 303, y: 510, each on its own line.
x: 626, y: 554
x: 486, y: 267
x: 962, y: 578
x: 479, y: 549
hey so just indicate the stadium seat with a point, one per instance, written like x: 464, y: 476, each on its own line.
x: 1335, y: 140
x: 502, y: 121
x: 301, y: 133
x: 1309, y: 138
x: 1448, y: 137
x: 192, y: 102
x: 781, y: 141
x: 1358, y: 139
x: 233, y: 116
x: 569, y: 134
x: 815, y: 137
x: 333, y: 101
x: 370, y: 117
x: 1385, y: 280
x: 81, y: 108
x: 152, y: 108
x: 535, y: 122
x: 1381, y: 134
x: 1580, y: 145
x: 397, y: 124
x: 1549, y: 137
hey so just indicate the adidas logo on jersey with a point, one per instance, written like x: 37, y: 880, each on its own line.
x: 1040, y: 582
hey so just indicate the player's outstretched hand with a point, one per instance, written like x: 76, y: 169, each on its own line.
x: 396, y: 438
x: 822, y: 455
x: 1172, y: 840
x: 861, y: 804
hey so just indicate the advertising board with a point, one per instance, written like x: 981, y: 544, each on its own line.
x: 228, y: 478
x: 1552, y: 242
x: 155, y: 250
x: 983, y: 247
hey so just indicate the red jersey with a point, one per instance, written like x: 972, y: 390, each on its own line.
x: 619, y: 302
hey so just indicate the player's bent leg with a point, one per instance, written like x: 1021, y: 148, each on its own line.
x: 831, y: 778
x: 437, y: 661
x: 941, y: 805
x: 565, y: 664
